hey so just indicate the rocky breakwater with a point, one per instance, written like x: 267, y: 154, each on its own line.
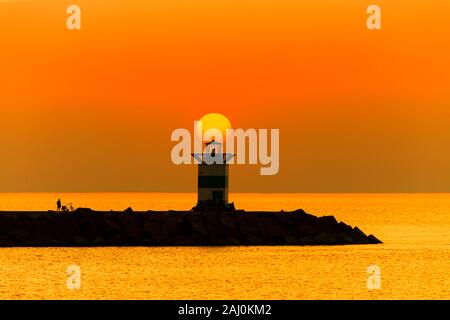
x: 85, y: 227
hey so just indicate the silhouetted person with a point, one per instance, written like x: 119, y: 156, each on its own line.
x: 58, y: 205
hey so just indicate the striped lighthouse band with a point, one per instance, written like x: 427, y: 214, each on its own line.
x: 213, y: 176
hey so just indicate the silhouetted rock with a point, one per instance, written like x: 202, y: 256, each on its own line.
x: 306, y: 230
x: 82, y: 211
x: 345, y: 238
x: 198, y: 224
x: 328, y: 220
x: 359, y: 236
x: 326, y: 238
x: 86, y: 227
x: 373, y: 240
x: 128, y: 210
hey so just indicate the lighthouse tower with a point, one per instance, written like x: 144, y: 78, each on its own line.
x: 212, y: 176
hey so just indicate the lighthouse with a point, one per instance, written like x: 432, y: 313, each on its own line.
x: 212, y: 176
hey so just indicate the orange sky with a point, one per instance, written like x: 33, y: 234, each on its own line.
x: 92, y: 110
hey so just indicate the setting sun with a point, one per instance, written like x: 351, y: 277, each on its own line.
x: 215, y: 125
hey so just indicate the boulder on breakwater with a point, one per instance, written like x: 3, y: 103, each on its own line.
x: 86, y: 227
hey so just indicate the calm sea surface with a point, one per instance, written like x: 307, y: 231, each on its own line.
x: 414, y: 259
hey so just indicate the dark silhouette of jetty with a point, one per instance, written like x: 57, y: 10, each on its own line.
x: 206, y: 226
